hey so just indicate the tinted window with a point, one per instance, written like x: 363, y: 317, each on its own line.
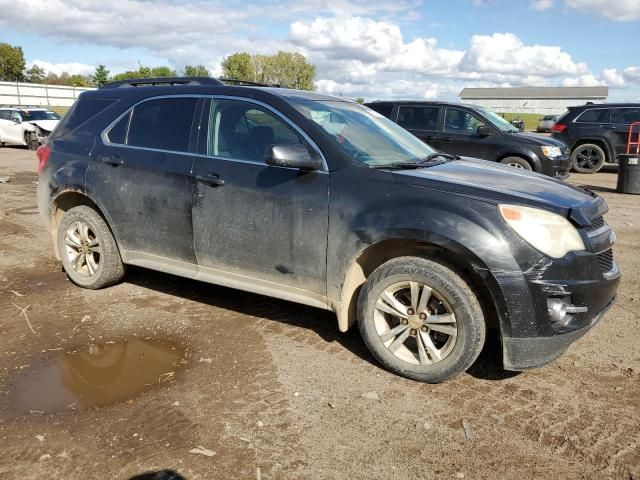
x: 80, y: 112
x: 243, y: 130
x: 4, y: 115
x: 163, y: 124
x: 625, y: 116
x: 461, y: 121
x: 118, y: 133
x: 425, y: 118
x: 382, y: 108
x: 594, y: 115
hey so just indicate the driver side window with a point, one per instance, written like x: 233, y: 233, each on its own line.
x: 243, y: 131
x: 461, y: 121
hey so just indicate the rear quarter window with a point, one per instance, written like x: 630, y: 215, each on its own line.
x: 382, y: 108
x: 593, y: 115
x: 81, y: 111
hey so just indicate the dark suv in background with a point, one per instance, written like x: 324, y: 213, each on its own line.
x: 318, y: 200
x: 473, y: 131
x: 596, y: 134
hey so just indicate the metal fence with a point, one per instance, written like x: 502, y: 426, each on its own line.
x: 16, y: 93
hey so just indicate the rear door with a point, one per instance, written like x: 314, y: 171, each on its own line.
x: 252, y: 219
x: 621, y: 120
x: 459, y: 135
x: 421, y: 120
x: 140, y: 171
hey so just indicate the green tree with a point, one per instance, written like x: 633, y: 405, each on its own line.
x: 35, y: 74
x: 12, y: 63
x: 100, y: 76
x: 239, y: 66
x: 288, y: 69
x: 145, y: 72
x: 360, y: 100
x: 195, y: 71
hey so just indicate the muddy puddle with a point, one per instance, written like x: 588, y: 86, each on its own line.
x: 96, y: 375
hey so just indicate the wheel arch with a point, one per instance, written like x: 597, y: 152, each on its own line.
x: 600, y: 142
x: 460, y: 259
x: 535, y: 164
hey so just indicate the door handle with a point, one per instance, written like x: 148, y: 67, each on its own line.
x: 212, y: 179
x: 608, y: 127
x: 427, y: 137
x: 447, y: 139
x: 114, y: 160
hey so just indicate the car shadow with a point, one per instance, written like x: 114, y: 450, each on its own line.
x: 597, y: 188
x: 159, y: 475
x: 488, y: 366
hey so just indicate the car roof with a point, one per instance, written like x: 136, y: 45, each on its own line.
x: 604, y: 105
x: 423, y: 102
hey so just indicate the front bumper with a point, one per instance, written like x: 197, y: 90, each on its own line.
x: 557, y: 167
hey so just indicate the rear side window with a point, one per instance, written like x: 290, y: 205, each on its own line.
x: 382, y: 108
x: 424, y: 118
x: 594, y: 115
x: 163, y: 124
x: 4, y: 115
x: 80, y: 112
x: 118, y: 133
x: 625, y: 116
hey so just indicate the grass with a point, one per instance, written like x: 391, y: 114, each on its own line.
x: 530, y: 119
x: 59, y: 110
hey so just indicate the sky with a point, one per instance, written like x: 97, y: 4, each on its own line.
x: 376, y: 49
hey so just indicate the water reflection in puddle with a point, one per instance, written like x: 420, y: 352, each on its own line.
x: 96, y: 375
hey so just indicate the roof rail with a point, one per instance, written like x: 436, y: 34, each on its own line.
x: 22, y: 106
x: 148, y: 82
x: 237, y: 81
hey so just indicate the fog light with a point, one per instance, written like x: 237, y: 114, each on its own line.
x: 560, y: 310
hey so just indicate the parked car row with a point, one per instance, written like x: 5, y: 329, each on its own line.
x: 27, y: 126
x: 318, y: 200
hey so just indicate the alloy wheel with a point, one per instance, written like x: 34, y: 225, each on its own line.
x: 82, y: 248
x: 587, y: 158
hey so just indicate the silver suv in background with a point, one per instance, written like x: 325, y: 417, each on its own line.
x: 28, y: 126
x: 546, y: 123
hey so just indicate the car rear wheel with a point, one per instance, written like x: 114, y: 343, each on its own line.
x: 88, y: 251
x: 587, y: 158
x: 32, y: 141
x: 516, y: 162
x: 420, y: 320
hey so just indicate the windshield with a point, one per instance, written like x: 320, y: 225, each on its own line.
x: 32, y: 115
x: 498, y: 122
x: 363, y: 133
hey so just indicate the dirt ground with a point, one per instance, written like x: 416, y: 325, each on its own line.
x: 274, y: 391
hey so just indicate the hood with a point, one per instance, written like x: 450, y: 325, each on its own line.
x: 535, y: 139
x: 47, y: 125
x: 499, y: 183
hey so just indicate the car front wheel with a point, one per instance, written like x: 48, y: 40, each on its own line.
x: 587, y: 158
x: 420, y: 319
x: 89, y: 253
x: 516, y: 162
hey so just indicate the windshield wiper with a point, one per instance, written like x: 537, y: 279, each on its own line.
x: 428, y: 161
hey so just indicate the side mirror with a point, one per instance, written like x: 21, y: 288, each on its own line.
x: 292, y: 156
x: 483, y: 131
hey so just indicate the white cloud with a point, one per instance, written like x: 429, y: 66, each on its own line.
x: 74, y: 68
x: 586, y: 80
x: 617, y: 10
x: 632, y: 74
x: 612, y: 78
x: 541, y: 5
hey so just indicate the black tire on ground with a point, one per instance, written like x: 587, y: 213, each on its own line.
x: 110, y: 268
x: 445, y: 283
x: 517, y: 162
x: 587, y: 158
x: 32, y: 141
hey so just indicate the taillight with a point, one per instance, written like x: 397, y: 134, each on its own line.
x: 43, y: 153
x: 559, y: 127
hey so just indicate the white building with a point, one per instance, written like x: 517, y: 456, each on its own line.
x: 542, y: 100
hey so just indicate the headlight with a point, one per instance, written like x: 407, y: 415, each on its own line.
x: 548, y: 232
x: 551, y: 152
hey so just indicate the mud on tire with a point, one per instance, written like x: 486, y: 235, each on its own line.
x: 447, y: 291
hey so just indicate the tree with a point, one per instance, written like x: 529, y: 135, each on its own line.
x: 195, y: 71
x: 12, y: 63
x: 239, y: 66
x: 360, y: 100
x: 100, y: 76
x: 145, y: 72
x: 35, y: 74
x: 288, y: 69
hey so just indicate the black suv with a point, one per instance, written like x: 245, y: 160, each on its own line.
x: 318, y: 200
x: 596, y: 134
x: 473, y: 131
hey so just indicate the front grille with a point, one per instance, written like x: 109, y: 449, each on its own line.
x: 605, y: 260
x: 597, y: 223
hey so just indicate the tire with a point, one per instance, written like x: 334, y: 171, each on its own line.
x: 83, y: 232
x: 32, y: 141
x: 517, y: 162
x: 587, y: 158
x: 456, y: 343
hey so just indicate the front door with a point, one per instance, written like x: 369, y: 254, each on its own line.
x: 252, y: 219
x: 618, y: 129
x: 11, y: 130
x: 141, y: 173
x: 459, y: 135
